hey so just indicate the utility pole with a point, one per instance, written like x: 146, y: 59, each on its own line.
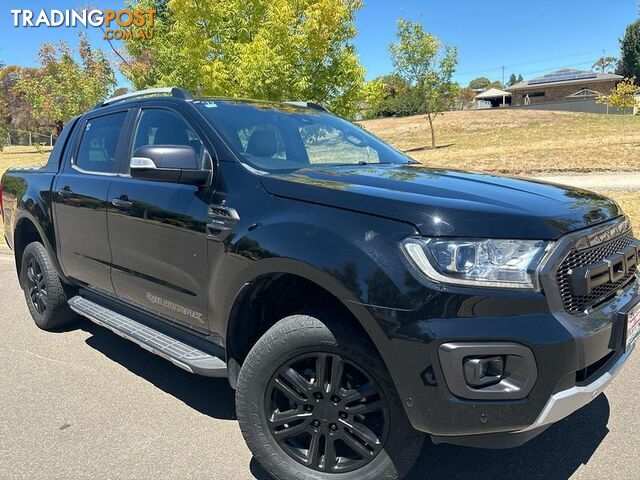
x: 503, y: 76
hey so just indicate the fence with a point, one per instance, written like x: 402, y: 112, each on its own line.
x: 588, y: 105
x: 27, y: 139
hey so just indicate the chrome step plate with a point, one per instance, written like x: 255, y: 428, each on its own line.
x: 180, y: 354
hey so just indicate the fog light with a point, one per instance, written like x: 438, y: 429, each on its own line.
x: 483, y: 371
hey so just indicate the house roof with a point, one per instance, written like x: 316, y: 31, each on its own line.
x: 492, y: 93
x: 565, y: 76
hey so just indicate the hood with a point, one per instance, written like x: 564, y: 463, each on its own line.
x: 448, y: 202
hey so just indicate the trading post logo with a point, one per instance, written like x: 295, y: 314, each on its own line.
x: 115, y: 24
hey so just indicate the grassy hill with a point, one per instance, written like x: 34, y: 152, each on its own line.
x: 519, y: 141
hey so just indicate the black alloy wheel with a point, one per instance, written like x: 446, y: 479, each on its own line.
x: 327, y: 413
x: 43, y: 290
x: 36, y: 287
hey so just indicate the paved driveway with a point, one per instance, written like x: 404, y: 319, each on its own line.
x: 85, y: 403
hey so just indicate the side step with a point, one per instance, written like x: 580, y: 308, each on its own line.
x: 179, y: 353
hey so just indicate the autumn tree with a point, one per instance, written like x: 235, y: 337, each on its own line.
x: 18, y: 111
x: 605, y: 64
x: 466, y: 97
x: 421, y: 59
x: 65, y: 86
x: 263, y: 49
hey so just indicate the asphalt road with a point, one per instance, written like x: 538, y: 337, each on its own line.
x: 84, y: 403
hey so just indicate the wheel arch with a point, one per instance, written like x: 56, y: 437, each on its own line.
x: 300, y: 287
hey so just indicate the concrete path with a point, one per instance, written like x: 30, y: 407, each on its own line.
x: 623, y: 181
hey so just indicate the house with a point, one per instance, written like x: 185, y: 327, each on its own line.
x: 493, y: 97
x: 562, y: 85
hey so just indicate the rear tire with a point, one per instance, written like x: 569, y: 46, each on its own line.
x: 46, y: 299
x: 330, y: 413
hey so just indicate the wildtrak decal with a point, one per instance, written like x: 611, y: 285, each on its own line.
x: 174, y: 307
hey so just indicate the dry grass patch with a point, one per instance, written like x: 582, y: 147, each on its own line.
x: 22, y: 157
x: 630, y: 203
x: 519, y: 141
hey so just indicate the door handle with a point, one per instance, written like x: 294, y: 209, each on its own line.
x: 122, y: 202
x: 65, y: 191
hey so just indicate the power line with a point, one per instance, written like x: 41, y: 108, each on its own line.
x: 499, y: 68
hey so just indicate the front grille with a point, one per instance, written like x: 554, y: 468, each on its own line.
x: 581, y: 258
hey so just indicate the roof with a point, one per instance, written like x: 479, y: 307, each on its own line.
x: 565, y: 76
x: 492, y: 93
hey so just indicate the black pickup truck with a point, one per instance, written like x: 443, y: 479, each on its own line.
x: 354, y: 299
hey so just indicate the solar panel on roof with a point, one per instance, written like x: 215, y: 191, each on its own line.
x: 563, y: 75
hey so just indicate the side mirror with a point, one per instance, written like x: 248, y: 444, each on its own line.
x: 168, y: 163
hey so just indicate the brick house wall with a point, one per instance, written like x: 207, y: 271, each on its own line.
x: 558, y: 93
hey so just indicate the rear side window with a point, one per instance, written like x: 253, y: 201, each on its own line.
x: 97, y: 151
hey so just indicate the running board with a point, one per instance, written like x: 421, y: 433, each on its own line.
x: 180, y: 354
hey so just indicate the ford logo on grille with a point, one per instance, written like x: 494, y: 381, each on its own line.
x: 583, y: 280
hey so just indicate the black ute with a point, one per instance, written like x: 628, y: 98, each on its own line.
x: 354, y: 299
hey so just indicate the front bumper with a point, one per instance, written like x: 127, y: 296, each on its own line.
x: 576, y: 357
x: 564, y: 403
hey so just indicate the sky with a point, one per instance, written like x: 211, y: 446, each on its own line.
x: 526, y: 37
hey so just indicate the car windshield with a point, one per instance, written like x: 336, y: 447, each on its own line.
x: 277, y: 137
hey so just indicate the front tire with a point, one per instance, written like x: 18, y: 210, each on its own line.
x: 43, y: 291
x: 315, y: 402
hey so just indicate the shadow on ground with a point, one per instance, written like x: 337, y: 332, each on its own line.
x: 210, y: 396
x: 556, y: 454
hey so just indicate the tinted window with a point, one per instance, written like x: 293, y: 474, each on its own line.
x: 163, y: 127
x: 283, y: 137
x: 97, y: 152
x: 325, y: 144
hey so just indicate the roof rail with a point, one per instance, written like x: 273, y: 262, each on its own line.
x: 174, y: 91
x: 315, y: 106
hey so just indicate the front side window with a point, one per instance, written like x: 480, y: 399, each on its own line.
x: 164, y: 127
x: 97, y: 150
x: 279, y: 137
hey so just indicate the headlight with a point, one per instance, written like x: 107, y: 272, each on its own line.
x: 482, y: 263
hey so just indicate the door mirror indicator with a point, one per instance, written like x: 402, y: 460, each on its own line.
x: 168, y: 163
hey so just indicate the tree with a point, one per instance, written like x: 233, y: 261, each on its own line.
x: 466, y: 97
x: 263, y: 49
x: 623, y: 96
x: 421, y: 59
x: 64, y: 87
x: 513, y: 79
x: 4, y: 115
x: 605, y: 64
x: 18, y: 113
x: 630, y: 51
x: 479, y: 83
